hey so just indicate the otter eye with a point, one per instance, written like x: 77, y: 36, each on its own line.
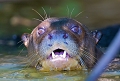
x: 41, y: 31
x: 76, y: 29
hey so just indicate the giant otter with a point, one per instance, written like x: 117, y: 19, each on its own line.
x: 61, y: 44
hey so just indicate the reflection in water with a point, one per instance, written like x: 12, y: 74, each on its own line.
x: 14, y: 68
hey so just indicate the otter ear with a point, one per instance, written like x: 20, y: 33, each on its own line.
x: 97, y: 35
x: 25, y: 39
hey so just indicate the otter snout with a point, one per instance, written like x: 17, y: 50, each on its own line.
x: 57, y: 37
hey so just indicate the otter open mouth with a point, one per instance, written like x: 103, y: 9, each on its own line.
x: 58, y: 54
x: 59, y: 60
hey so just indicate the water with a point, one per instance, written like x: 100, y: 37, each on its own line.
x: 13, y: 67
x: 30, y: 74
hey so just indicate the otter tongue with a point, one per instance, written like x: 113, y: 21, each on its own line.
x: 59, y: 54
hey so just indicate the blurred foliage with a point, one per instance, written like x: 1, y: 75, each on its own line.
x: 17, y: 17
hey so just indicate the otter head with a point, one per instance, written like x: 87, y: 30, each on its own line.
x: 60, y: 44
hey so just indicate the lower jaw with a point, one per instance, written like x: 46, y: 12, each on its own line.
x: 60, y: 64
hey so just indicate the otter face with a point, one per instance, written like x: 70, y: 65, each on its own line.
x: 60, y: 44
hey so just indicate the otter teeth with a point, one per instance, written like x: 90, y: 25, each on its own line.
x: 64, y: 54
x: 61, y: 55
x: 53, y: 55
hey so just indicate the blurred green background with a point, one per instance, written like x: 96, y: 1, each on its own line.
x: 16, y: 16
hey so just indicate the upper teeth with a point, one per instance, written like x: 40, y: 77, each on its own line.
x: 62, y: 55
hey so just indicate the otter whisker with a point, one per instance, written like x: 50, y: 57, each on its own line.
x: 38, y: 61
x: 27, y: 64
x: 45, y: 13
x: 29, y: 29
x: 37, y: 19
x: 20, y: 41
x: 83, y: 63
x: 49, y: 12
x: 90, y: 55
x: 20, y: 45
x: 84, y: 52
x: 21, y: 51
x: 38, y: 14
x: 68, y: 11
x: 31, y: 61
x: 79, y: 14
x: 86, y: 56
x: 71, y: 12
x: 31, y: 56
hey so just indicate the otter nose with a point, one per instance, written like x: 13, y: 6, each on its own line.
x: 58, y: 38
x: 65, y: 36
x: 50, y: 36
x: 58, y: 35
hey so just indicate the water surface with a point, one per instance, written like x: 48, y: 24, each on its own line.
x: 14, y: 67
